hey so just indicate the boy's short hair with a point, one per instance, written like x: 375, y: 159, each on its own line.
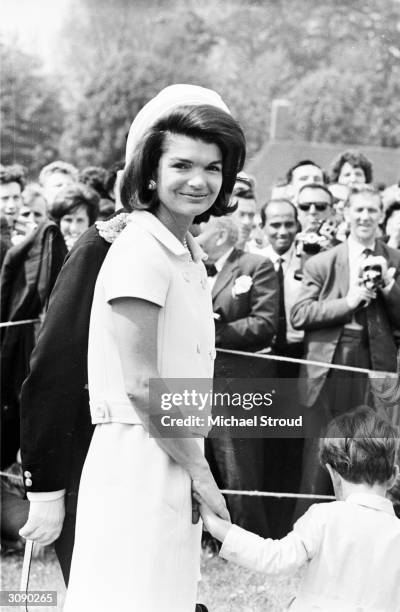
x: 361, y: 446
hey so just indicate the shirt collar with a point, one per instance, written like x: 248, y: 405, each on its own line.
x: 273, y: 255
x: 377, y: 502
x: 219, y: 264
x: 157, y: 229
x: 356, y: 248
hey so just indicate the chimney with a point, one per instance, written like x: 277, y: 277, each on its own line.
x: 280, y: 120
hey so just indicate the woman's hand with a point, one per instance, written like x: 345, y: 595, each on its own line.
x: 215, y: 525
x: 45, y: 521
x: 205, y: 490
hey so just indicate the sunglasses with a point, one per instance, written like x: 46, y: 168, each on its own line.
x: 305, y: 206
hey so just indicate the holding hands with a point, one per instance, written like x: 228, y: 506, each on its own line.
x: 205, y: 490
x: 215, y: 525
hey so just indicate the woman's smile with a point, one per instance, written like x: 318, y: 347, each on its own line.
x: 189, y: 175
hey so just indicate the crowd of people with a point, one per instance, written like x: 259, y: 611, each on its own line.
x: 308, y: 273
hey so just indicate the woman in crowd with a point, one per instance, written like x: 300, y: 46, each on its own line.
x: 391, y: 225
x: 351, y: 167
x: 136, y: 547
x: 75, y: 208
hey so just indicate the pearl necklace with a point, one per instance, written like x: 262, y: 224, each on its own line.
x: 185, y: 246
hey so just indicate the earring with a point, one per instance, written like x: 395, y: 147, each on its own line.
x: 152, y: 185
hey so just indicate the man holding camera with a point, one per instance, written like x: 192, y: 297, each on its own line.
x: 337, y: 297
x: 348, y: 307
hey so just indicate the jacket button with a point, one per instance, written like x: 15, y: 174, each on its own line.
x: 28, y: 482
x: 27, y: 474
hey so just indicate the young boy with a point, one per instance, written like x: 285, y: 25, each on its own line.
x: 350, y: 547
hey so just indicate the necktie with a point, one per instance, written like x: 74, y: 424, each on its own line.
x: 362, y: 314
x: 211, y: 270
x: 281, y: 333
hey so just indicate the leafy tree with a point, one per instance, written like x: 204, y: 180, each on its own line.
x: 337, y: 61
x: 31, y: 114
x: 97, y: 129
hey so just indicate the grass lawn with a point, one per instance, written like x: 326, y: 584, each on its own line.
x: 224, y: 588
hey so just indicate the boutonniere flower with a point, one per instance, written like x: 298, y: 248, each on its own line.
x: 111, y: 229
x: 242, y: 285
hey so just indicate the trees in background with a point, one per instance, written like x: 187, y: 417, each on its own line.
x: 31, y: 116
x: 338, y: 62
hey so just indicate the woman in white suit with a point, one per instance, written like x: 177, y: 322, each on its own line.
x: 136, y: 547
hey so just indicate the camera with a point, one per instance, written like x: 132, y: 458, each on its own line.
x: 371, y: 275
x: 311, y: 242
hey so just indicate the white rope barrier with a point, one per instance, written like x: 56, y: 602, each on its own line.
x: 323, y: 364
x: 277, y: 494
x: 12, y: 323
x: 15, y: 477
x: 227, y: 491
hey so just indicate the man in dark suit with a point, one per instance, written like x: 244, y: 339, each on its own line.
x: 245, y: 303
x: 280, y: 223
x: 345, y: 321
x: 28, y: 275
x: 56, y: 427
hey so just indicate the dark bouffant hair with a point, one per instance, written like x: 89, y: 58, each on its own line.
x: 203, y: 122
x: 72, y: 197
x: 361, y: 446
x: 355, y: 159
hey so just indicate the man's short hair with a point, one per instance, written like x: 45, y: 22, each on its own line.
x: 244, y: 186
x: 361, y: 446
x: 303, y: 162
x: 12, y: 174
x: 96, y: 178
x: 317, y: 186
x: 263, y: 211
x: 31, y: 192
x: 360, y: 188
x: 355, y: 159
x: 228, y: 224
x: 58, y: 166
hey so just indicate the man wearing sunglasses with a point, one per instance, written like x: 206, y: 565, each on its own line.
x: 314, y: 206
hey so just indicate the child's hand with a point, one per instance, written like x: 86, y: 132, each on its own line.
x: 215, y: 525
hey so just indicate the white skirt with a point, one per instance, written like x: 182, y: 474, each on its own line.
x: 135, y: 546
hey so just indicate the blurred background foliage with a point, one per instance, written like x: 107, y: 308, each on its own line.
x: 338, y: 62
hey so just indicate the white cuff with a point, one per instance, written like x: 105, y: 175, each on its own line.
x: 45, y: 496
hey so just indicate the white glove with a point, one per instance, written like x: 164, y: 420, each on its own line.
x: 45, y: 521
